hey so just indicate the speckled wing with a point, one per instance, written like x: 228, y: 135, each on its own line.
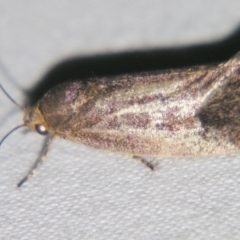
x: 186, y: 112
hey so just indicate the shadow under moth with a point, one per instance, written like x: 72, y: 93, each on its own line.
x: 173, y: 113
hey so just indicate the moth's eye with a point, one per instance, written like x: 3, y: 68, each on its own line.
x: 41, y: 129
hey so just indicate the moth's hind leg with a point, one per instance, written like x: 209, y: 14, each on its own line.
x: 145, y: 162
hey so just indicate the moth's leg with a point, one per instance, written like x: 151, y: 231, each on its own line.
x: 39, y: 161
x: 145, y: 162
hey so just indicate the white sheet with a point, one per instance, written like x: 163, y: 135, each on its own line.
x: 81, y: 193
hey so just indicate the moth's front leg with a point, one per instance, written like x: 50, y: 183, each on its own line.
x: 145, y: 162
x: 39, y: 161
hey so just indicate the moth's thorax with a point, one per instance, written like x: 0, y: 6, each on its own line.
x: 61, y: 104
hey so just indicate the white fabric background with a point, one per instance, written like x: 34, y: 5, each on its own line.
x: 81, y: 193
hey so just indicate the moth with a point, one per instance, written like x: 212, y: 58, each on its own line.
x: 173, y: 113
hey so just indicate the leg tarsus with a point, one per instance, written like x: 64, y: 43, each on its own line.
x: 145, y: 162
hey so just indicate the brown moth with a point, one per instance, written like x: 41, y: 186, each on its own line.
x: 174, y: 113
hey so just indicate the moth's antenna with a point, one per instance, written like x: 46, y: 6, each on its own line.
x: 9, y: 76
x: 22, y: 125
x: 9, y: 97
x: 12, y: 100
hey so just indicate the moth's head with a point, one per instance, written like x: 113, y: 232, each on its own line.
x: 34, y: 120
